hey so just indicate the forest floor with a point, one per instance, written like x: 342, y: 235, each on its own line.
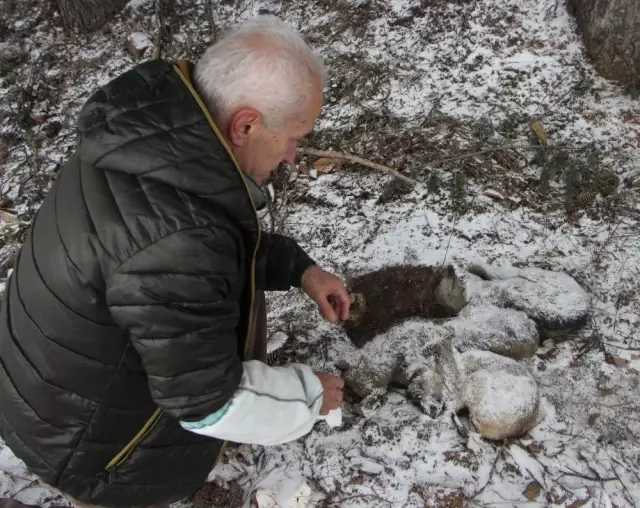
x: 446, y: 92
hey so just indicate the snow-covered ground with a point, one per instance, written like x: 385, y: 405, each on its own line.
x: 414, y: 84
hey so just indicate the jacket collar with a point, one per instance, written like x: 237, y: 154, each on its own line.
x: 256, y: 193
x: 184, y: 68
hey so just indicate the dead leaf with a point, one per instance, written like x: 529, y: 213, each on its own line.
x: 623, y: 300
x: 579, y: 502
x: 538, y: 130
x: 615, y: 360
x: 548, y: 355
x: 400, y: 163
x: 593, y: 418
x: 39, y: 119
x: 493, y: 194
x: 136, y: 53
x: 325, y: 165
x: 7, y: 217
x: 635, y: 357
x: 535, y: 448
x: 532, y: 491
x: 620, y: 362
x: 358, y: 480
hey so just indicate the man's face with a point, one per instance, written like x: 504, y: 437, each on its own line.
x: 258, y: 150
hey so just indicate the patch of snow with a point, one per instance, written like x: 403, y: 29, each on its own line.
x: 300, y: 498
x: 140, y: 40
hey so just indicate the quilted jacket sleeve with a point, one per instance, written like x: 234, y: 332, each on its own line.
x: 178, y: 301
x: 281, y: 263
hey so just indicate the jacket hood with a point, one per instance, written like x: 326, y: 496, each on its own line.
x: 150, y: 122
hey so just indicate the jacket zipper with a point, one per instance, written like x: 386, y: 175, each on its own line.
x: 124, y: 454
x: 182, y: 70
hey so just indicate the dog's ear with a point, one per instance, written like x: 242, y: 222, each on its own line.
x: 358, y: 307
x: 450, y: 293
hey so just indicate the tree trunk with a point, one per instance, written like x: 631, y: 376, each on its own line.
x: 611, y: 32
x: 87, y: 15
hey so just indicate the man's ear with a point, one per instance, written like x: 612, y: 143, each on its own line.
x: 242, y: 124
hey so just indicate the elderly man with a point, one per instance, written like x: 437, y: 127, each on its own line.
x: 129, y: 350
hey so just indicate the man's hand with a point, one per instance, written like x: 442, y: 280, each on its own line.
x: 332, y: 397
x: 328, y: 292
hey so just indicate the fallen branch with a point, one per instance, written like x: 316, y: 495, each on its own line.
x: 626, y: 490
x: 540, y: 481
x: 490, y: 150
x: 32, y: 483
x: 157, y: 45
x: 272, y: 216
x: 15, y: 476
x: 357, y: 159
x: 212, y: 25
x: 363, y: 497
x: 490, y: 476
x: 575, y: 474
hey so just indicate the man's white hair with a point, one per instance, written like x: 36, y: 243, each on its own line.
x: 263, y: 64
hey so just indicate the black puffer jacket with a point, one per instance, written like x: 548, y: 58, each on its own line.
x: 129, y: 306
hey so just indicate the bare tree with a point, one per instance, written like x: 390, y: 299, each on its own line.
x: 611, y: 32
x: 87, y: 15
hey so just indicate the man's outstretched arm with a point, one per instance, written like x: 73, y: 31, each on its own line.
x: 283, y: 264
x: 177, y: 301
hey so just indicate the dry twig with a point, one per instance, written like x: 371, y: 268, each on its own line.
x: 157, y: 45
x: 212, y: 25
x: 363, y: 497
x: 358, y: 160
x: 490, y: 477
x: 490, y: 150
x: 32, y: 483
x: 272, y: 216
x: 575, y: 474
x: 626, y: 490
